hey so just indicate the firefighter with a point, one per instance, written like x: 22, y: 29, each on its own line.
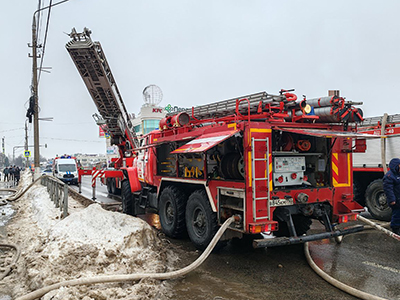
x: 391, y: 186
x: 6, y: 171
x: 17, y: 175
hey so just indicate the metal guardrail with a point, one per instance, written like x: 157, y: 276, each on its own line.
x: 58, y: 192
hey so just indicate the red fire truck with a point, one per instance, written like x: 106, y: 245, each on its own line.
x: 273, y: 161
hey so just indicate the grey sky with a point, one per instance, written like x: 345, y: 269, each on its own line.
x: 197, y: 52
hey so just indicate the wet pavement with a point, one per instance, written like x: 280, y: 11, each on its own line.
x: 101, y: 193
x: 367, y: 261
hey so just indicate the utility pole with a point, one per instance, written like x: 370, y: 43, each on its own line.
x: 26, y: 148
x: 35, y: 95
x: 35, y: 87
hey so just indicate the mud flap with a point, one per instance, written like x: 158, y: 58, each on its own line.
x: 283, y: 241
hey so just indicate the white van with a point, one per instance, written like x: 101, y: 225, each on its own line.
x: 65, y: 169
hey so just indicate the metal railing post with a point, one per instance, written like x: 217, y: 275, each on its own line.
x: 52, y: 191
x: 57, y: 202
x: 65, y: 202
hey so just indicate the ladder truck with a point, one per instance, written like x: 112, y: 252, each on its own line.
x: 93, y: 67
x: 369, y: 167
x: 272, y: 161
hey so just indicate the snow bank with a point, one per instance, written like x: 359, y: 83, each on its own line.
x: 89, y: 242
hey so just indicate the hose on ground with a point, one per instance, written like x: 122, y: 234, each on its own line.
x: 18, y: 193
x: 133, y: 277
x: 14, y: 260
x: 348, y: 289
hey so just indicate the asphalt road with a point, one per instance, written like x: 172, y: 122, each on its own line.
x: 368, y: 261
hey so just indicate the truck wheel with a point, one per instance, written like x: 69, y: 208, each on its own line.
x: 171, y: 210
x: 358, y: 192
x: 375, y: 200
x: 127, y: 199
x: 201, y: 221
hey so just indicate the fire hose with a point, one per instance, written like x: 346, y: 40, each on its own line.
x: 14, y: 260
x: 17, y: 194
x: 133, y: 277
x: 336, y: 283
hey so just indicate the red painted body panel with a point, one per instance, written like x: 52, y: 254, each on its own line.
x: 205, y: 142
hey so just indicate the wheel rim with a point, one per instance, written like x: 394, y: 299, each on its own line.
x: 199, y: 222
x: 241, y: 166
x: 380, y: 200
x: 169, y: 213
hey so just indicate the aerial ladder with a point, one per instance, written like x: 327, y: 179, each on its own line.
x: 95, y: 71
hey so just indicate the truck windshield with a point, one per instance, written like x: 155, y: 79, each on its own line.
x: 67, y: 168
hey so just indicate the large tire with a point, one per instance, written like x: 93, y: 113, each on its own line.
x: 301, y: 224
x: 201, y: 221
x: 232, y: 166
x: 128, y: 206
x: 375, y: 200
x: 171, y: 211
x: 358, y: 192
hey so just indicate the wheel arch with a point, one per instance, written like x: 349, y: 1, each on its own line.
x: 188, y: 186
x: 131, y: 174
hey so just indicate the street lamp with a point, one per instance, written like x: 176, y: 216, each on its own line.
x: 35, y: 87
x: 26, y: 149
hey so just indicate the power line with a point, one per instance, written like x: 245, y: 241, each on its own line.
x: 71, y: 140
x: 38, y: 19
x: 14, y: 129
x: 45, y: 39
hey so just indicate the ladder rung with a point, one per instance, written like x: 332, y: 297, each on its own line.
x: 260, y: 159
x: 261, y: 218
x: 261, y: 198
x: 261, y: 178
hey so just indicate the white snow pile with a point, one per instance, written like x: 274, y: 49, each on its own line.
x: 89, y: 242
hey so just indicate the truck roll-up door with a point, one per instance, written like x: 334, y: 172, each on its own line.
x: 205, y: 142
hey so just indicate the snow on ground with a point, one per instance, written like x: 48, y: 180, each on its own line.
x: 90, y: 241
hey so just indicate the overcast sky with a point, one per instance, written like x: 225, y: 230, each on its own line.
x: 197, y: 52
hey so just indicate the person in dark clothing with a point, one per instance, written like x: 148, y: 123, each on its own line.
x: 11, y: 174
x: 17, y: 175
x: 5, y: 171
x: 391, y: 187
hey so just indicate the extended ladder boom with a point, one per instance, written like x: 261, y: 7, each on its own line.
x: 374, y: 121
x: 226, y: 107
x: 92, y: 65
